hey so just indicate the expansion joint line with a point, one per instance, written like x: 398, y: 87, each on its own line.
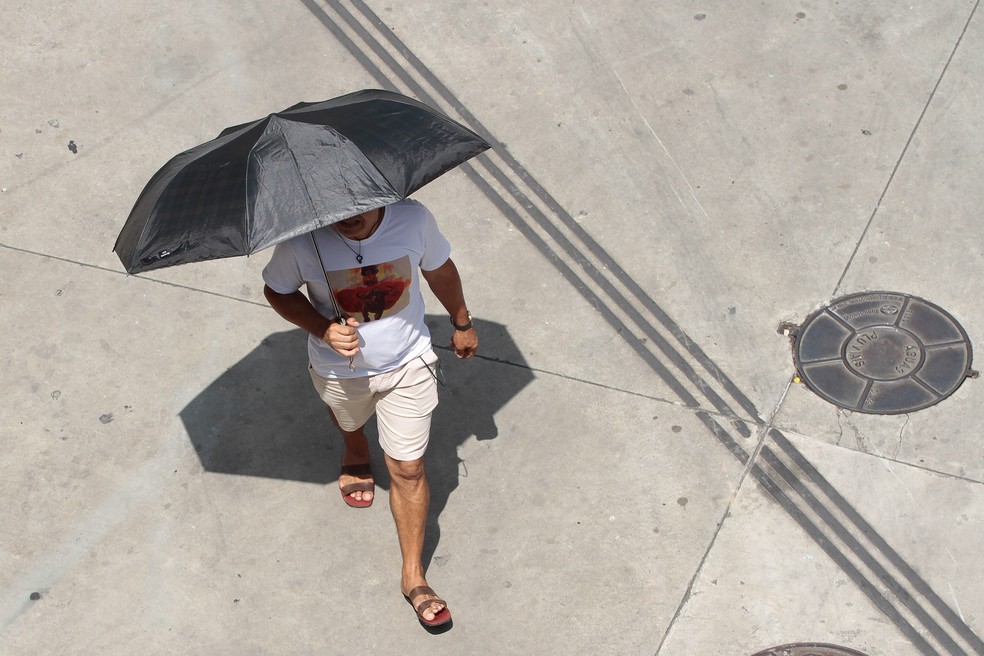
x: 905, y: 149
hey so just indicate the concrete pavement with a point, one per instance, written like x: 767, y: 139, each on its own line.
x: 629, y: 468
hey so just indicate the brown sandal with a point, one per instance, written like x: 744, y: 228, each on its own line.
x: 358, y: 471
x: 443, y: 616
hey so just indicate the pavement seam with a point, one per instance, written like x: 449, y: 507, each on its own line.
x: 237, y: 299
x: 698, y: 570
x: 573, y: 379
x: 905, y: 149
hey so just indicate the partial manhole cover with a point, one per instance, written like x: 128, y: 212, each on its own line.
x: 882, y: 353
x: 809, y: 649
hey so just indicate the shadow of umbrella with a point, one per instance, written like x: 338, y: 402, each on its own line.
x: 263, y: 418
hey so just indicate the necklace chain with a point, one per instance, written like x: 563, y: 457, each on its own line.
x: 358, y: 254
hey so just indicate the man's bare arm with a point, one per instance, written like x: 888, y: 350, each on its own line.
x: 297, y: 309
x: 445, y: 282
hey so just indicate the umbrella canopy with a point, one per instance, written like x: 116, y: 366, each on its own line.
x: 261, y: 183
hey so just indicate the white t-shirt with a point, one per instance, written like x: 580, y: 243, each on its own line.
x: 382, y: 293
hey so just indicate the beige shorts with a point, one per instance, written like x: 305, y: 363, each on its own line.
x: 403, y: 400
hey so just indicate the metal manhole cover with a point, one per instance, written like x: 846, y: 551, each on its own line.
x: 809, y: 649
x: 882, y: 353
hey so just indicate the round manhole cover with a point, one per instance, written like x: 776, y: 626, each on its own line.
x: 882, y: 353
x: 809, y: 649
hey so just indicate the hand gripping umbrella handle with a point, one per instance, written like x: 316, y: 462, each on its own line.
x: 331, y: 294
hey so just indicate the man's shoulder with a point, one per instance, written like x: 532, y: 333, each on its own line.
x: 289, y: 247
x: 410, y: 215
x: 409, y: 207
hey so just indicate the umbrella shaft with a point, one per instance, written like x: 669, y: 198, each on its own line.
x: 331, y: 293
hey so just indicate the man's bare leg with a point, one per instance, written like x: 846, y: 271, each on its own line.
x: 409, y: 500
x: 356, y: 453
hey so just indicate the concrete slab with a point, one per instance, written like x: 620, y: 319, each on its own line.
x: 182, y: 74
x: 668, y: 184
x: 765, y: 583
x: 922, y: 239
x: 688, y: 131
x: 142, y: 523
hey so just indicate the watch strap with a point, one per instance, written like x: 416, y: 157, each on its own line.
x: 463, y: 327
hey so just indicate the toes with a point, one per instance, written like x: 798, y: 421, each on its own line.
x: 431, y: 611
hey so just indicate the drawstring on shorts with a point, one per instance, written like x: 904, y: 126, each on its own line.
x: 437, y: 372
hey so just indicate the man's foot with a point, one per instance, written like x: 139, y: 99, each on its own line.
x: 431, y: 610
x: 356, y: 485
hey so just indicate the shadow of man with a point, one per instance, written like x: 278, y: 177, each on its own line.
x: 263, y: 418
x: 473, y: 392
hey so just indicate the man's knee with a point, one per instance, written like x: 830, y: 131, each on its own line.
x: 408, y: 470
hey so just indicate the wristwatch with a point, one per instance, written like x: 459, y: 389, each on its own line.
x: 466, y: 326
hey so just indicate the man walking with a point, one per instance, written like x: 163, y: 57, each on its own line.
x: 384, y: 364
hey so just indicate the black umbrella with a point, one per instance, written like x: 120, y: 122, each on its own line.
x: 313, y: 164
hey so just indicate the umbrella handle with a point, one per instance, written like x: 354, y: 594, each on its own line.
x: 341, y: 320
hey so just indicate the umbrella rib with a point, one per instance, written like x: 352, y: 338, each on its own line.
x: 331, y: 293
x: 297, y: 168
x: 249, y: 218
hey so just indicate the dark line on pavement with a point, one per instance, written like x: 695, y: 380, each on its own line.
x: 133, y: 275
x: 658, y: 367
x: 538, y: 190
x: 599, y: 279
x: 354, y: 50
x: 854, y: 545
x: 846, y: 565
x: 917, y: 582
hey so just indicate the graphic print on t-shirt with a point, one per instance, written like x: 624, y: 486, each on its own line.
x: 371, y: 292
